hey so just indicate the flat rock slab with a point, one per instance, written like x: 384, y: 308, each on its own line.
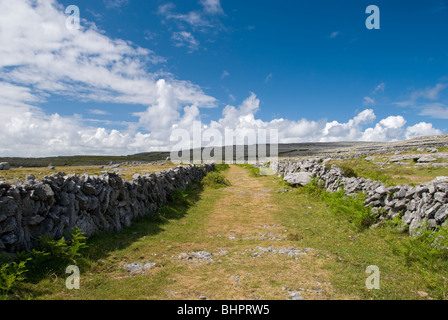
x: 137, y: 267
x: 299, y: 178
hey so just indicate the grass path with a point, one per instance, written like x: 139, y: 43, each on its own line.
x: 257, y: 239
x: 227, y: 245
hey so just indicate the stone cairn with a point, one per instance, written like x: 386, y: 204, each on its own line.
x: 94, y: 204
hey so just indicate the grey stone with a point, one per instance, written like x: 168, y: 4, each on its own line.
x: 9, y: 239
x: 427, y: 159
x: 9, y: 225
x: 33, y: 220
x: 440, y: 197
x: 381, y: 190
x: 202, y: 255
x: 4, y: 166
x: 440, y: 165
x: 299, y: 178
x: 295, y: 295
x: 136, y: 267
x: 442, y: 214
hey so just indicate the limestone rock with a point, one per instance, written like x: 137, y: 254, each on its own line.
x: 4, y: 166
x: 299, y: 178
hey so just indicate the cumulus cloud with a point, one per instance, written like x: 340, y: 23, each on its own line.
x: 421, y: 129
x: 41, y: 58
x: 389, y: 129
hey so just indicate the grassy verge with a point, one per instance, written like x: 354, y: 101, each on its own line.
x: 41, y: 274
x: 254, y: 172
x: 391, y: 174
x: 410, y: 268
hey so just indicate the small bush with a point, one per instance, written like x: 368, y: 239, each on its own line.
x: 221, y: 167
x: 348, y: 172
x: 180, y: 197
x: 215, y: 180
x: 315, y: 188
x: 426, y: 247
x: 11, y: 274
x: 53, y: 255
x: 350, y: 207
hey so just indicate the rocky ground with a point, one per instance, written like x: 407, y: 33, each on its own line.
x: 358, y: 149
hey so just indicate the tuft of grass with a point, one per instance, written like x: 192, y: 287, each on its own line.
x: 350, y: 207
x: 215, y: 180
x: 254, y: 172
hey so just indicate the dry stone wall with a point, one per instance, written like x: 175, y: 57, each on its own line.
x: 414, y: 204
x: 95, y: 204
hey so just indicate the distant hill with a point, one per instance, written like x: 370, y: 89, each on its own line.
x: 80, y: 160
x: 288, y: 150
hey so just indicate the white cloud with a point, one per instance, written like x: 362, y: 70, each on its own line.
x: 334, y: 34
x: 379, y: 88
x: 98, y: 112
x: 421, y: 129
x: 268, y: 78
x: 199, y: 20
x: 435, y: 110
x: 41, y: 58
x: 115, y: 3
x: 425, y: 101
x: 212, y: 6
x: 389, y: 129
x: 185, y: 39
x: 430, y: 93
x: 225, y: 74
x: 368, y: 101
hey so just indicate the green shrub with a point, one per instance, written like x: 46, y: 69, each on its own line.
x: 315, y: 188
x: 426, y: 247
x: 180, y: 197
x: 221, y: 167
x: 348, y: 171
x: 52, y: 255
x: 215, y: 180
x: 11, y: 274
x: 350, y: 207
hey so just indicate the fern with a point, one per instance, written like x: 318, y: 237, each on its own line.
x: 11, y: 274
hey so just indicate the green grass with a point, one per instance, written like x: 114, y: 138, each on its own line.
x: 101, y: 277
x: 348, y: 207
x: 406, y: 272
x: 253, y: 171
x: 343, y: 247
x: 391, y: 174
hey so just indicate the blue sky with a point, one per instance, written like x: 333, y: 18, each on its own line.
x: 311, y: 69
